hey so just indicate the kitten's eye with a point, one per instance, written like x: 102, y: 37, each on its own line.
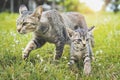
x: 79, y: 40
x: 87, y: 39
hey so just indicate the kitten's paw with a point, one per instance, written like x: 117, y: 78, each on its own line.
x: 87, y: 72
x: 87, y: 69
x: 71, y: 63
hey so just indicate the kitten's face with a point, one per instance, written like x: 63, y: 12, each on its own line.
x: 79, y: 38
x: 27, y: 21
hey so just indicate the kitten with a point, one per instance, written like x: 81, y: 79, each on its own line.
x: 81, y: 47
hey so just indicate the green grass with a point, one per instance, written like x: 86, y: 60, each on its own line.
x: 40, y: 65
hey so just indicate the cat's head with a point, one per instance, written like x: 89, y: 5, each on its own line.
x: 79, y: 37
x: 28, y: 20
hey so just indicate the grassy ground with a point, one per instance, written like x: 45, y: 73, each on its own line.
x: 40, y: 66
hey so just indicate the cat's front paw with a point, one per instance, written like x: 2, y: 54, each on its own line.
x: 24, y: 56
x: 57, y: 57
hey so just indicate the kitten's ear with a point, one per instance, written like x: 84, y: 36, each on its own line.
x: 22, y: 8
x: 70, y: 32
x: 91, y: 28
x: 38, y: 12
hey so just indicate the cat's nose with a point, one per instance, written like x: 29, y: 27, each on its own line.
x: 84, y: 45
x: 18, y: 30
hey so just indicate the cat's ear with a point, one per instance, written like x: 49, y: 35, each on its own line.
x: 38, y: 12
x: 70, y: 32
x: 22, y: 8
x: 91, y: 29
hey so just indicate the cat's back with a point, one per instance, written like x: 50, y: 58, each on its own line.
x: 73, y: 16
x: 74, y: 19
x: 49, y: 14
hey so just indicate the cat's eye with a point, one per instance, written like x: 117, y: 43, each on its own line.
x: 25, y: 23
x: 32, y: 23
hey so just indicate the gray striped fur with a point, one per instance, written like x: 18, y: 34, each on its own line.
x: 81, y: 49
x: 49, y: 26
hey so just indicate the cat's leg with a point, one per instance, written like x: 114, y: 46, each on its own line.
x: 87, y: 64
x: 33, y: 44
x: 59, y: 50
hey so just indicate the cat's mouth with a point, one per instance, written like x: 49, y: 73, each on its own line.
x: 26, y: 31
x: 21, y: 31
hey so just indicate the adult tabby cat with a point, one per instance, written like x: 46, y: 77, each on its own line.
x: 81, y: 47
x: 49, y: 26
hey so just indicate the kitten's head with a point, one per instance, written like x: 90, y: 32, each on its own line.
x: 79, y: 37
x: 27, y: 20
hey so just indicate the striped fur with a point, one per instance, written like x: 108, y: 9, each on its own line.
x: 81, y: 48
x: 49, y: 26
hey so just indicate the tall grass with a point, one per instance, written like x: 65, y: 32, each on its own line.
x: 40, y: 65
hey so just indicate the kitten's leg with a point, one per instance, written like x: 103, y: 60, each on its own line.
x: 91, y: 52
x: 72, y: 61
x: 87, y: 65
x: 33, y: 44
x: 92, y: 41
x: 59, y: 50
